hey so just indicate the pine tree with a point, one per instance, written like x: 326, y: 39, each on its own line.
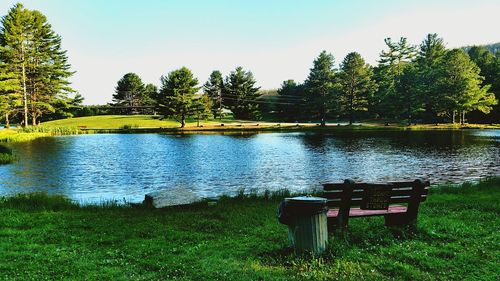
x: 356, y: 84
x: 129, y: 92
x: 213, y: 88
x: 32, y: 51
x: 291, y: 98
x: 176, y: 97
x: 10, y: 98
x: 391, y: 65
x: 430, y: 54
x: 240, y: 94
x: 320, y: 85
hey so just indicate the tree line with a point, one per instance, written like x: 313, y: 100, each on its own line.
x: 424, y: 83
x: 178, y: 96
x: 34, y: 70
x: 427, y: 83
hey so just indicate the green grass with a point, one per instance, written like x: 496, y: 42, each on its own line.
x: 124, y: 121
x: 48, y: 237
x: 137, y: 123
x: 6, y: 156
x: 14, y: 136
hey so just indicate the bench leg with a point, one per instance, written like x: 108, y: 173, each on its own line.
x: 399, y: 220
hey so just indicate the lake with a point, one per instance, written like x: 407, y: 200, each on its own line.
x: 101, y: 167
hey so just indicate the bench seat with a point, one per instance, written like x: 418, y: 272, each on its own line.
x: 357, y: 212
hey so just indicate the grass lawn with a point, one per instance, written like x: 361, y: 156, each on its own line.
x: 47, y: 237
x: 120, y: 121
x: 149, y: 121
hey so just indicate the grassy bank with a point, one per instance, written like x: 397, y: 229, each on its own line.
x: 46, y: 237
x: 149, y: 123
x: 6, y: 156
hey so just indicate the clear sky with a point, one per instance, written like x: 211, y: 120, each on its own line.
x: 275, y: 39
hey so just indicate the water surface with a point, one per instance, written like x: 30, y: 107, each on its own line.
x: 93, y: 168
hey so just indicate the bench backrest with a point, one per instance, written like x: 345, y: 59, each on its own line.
x: 374, y: 196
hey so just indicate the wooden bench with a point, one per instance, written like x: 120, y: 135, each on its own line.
x: 398, y: 202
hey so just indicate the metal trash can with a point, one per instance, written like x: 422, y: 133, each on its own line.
x: 307, y: 223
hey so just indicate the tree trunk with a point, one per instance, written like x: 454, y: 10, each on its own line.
x: 351, y: 107
x: 463, y: 117
x: 25, y: 96
x: 33, y: 119
x: 183, y: 120
x: 7, y: 122
x: 453, y: 117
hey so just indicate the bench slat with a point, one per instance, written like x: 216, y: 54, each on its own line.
x: 357, y: 212
x: 356, y: 201
x: 337, y: 194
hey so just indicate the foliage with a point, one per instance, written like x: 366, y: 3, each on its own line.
x: 356, y: 84
x: 240, y: 94
x: 291, y: 99
x: 213, y: 88
x: 50, y: 237
x: 32, y: 52
x: 129, y: 92
x: 460, y: 85
x: 177, y: 94
x: 320, y: 85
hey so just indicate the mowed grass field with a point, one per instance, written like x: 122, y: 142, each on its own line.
x: 150, y: 121
x: 120, y: 121
x: 50, y: 238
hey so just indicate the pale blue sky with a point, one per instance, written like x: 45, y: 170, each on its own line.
x: 276, y: 40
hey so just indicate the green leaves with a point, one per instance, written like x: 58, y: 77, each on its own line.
x: 177, y: 92
x: 319, y: 86
x: 240, y: 94
x: 32, y: 53
x: 356, y: 84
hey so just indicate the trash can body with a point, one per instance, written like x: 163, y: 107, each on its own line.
x: 307, y: 223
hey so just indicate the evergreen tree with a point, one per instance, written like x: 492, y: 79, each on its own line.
x: 391, y: 66
x: 320, y: 85
x: 202, y: 108
x: 356, y: 84
x: 240, y: 94
x: 431, y: 52
x: 291, y: 98
x: 10, y: 98
x: 213, y: 88
x: 130, y: 92
x: 409, y: 95
x: 176, y: 97
x: 460, y: 84
x: 32, y: 51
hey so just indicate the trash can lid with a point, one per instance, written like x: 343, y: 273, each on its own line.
x: 306, y: 205
x: 307, y: 200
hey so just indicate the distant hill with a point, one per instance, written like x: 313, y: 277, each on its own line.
x: 495, y: 47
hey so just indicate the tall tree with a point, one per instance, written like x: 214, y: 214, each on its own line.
x: 391, y: 66
x: 10, y: 98
x: 240, y: 94
x: 356, y: 84
x: 129, y: 92
x: 213, y: 88
x: 291, y: 98
x: 320, y: 86
x: 176, y: 97
x: 460, y: 84
x: 33, y: 52
x: 490, y: 70
x: 430, y: 55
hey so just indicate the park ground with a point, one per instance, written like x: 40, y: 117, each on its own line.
x: 46, y: 237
